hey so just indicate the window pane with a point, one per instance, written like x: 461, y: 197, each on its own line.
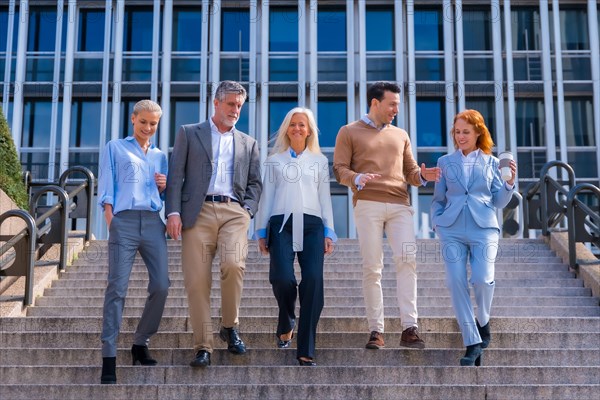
x: 477, y: 32
x: 429, y: 69
x: 530, y: 118
x: 185, y: 69
x: 479, y: 69
x: 380, y: 30
x: 42, y: 29
x: 574, y: 30
x: 381, y: 69
x: 486, y: 108
x: 526, y: 30
x: 583, y: 163
x: 137, y: 69
x: 340, y: 214
x: 3, y: 28
x: 40, y: 69
x: 531, y: 162
x: 430, y: 117
x: 91, y: 30
x: 85, y: 124
x: 187, y: 28
x: 278, y: 108
x: 331, y: 117
x: 428, y: 30
x: 182, y: 112
x: 331, y: 68
x: 579, y: 120
x: 283, y: 69
x: 331, y: 28
x: 235, y: 69
x: 283, y: 29
x: 527, y: 67
x: 37, y: 164
x: 577, y: 68
x: 36, y: 121
x: 235, y: 30
x: 138, y: 29
x: 88, y: 69
x: 89, y: 160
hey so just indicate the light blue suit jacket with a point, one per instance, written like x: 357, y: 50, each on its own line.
x: 484, y: 193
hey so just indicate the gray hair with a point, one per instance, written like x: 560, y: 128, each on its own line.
x: 147, y: 105
x: 228, y: 87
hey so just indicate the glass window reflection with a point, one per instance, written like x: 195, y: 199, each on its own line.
x: 37, y: 115
x: 526, y: 29
x: 278, y: 108
x: 574, y: 30
x: 428, y: 30
x: 91, y: 30
x: 283, y: 29
x: 138, y: 29
x: 235, y: 30
x: 331, y: 28
x: 331, y: 116
x: 380, y: 29
x: 579, y: 121
x: 187, y: 29
x: 85, y: 123
x: 530, y: 119
x: 430, y: 117
x: 183, y: 111
x: 477, y: 33
x: 42, y: 29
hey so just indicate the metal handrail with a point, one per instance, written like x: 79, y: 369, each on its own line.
x: 579, y: 216
x: 89, y: 185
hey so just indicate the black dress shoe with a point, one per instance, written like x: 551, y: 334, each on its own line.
x: 141, y: 355
x: 486, y: 335
x: 472, y: 356
x: 307, y: 363
x: 202, y: 359
x: 235, y: 345
x: 284, y: 344
x: 109, y: 370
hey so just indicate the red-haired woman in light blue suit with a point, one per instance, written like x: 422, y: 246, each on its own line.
x: 463, y: 214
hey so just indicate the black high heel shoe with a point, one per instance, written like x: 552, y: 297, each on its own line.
x: 473, y: 356
x: 307, y: 362
x: 284, y: 344
x: 141, y: 354
x: 486, y: 335
x: 109, y: 370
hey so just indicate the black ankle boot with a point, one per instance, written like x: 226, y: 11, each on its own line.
x: 109, y: 370
x: 486, y: 335
x: 141, y: 354
x: 472, y: 356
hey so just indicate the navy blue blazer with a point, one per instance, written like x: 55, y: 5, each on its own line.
x: 483, y: 195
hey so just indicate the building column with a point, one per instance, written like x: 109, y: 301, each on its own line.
x: 165, y: 98
x: 18, y: 97
x: 548, y: 89
x: 592, y: 12
x: 68, y: 87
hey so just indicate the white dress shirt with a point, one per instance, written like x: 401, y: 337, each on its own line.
x: 221, y: 180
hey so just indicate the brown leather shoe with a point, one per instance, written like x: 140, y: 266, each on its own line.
x: 375, y: 341
x: 410, y: 338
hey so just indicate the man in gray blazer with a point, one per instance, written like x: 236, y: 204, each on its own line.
x: 213, y: 189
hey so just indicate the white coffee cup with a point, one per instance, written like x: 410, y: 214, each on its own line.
x: 505, y: 158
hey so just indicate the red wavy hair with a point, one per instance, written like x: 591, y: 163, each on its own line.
x: 474, y: 117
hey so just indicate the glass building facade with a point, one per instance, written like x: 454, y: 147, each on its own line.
x: 72, y: 71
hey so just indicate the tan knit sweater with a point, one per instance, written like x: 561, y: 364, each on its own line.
x: 360, y: 148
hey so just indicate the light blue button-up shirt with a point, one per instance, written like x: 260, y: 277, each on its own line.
x: 126, y: 176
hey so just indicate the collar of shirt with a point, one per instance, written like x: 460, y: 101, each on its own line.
x: 368, y: 121
x: 133, y: 139
x: 294, y: 154
x: 214, y: 129
x: 471, y: 157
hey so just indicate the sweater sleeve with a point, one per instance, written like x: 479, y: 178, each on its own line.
x: 412, y: 171
x: 342, y: 158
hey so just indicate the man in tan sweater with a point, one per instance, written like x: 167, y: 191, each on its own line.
x: 374, y: 159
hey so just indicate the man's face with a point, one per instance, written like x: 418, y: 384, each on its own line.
x: 386, y: 109
x: 227, y: 111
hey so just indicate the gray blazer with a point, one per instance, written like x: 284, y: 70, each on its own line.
x: 190, y: 169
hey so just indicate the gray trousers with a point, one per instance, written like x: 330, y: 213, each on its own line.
x: 130, y: 231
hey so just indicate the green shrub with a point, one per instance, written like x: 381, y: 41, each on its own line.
x: 11, y: 180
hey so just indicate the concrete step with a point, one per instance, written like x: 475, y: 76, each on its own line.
x: 517, y: 325
x: 84, y: 291
x: 250, y: 282
x: 327, y: 275
x: 300, y: 391
x: 447, y: 337
x: 325, y: 356
x: 328, y: 311
x: 346, y: 374
x: 356, y: 300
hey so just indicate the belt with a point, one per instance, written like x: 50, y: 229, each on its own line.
x: 217, y: 198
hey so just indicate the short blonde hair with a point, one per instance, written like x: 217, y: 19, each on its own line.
x: 147, y: 105
x: 282, y: 141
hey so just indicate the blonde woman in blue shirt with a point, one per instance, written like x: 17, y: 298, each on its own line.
x: 295, y: 208
x: 132, y: 180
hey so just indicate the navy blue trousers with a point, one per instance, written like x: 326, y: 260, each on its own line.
x: 283, y: 280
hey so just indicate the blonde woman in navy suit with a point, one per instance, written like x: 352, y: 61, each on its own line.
x: 463, y: 214
x: 296, y: 206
